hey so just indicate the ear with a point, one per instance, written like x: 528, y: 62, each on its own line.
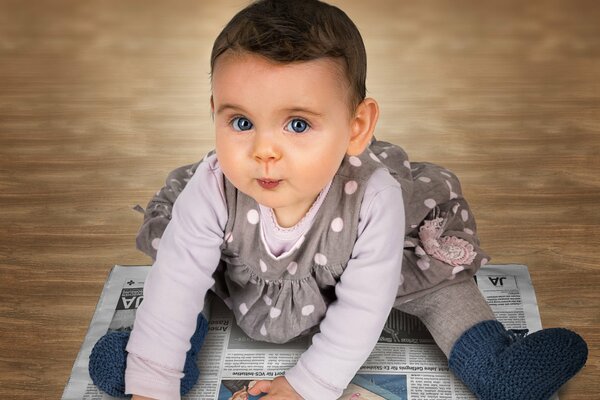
x: 212, y: 108
x: 362, y: 126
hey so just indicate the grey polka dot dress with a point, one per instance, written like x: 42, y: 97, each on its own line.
x: 277, y: 299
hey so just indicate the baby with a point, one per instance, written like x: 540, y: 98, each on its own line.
x: 302, y: 222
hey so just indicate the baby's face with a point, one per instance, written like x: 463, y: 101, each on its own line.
x: 282, y: 130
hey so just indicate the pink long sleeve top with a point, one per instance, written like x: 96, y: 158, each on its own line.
x: 189, y: 253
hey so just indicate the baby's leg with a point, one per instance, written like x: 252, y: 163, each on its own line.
x: 494, y: 363
x: 450, y: 311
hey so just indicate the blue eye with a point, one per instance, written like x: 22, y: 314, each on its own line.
x: 298, y: 125
x: 241, y: 124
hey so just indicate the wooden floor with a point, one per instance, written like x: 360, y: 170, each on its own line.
x: 100, y: 99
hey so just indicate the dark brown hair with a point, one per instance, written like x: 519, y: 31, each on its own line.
x: 287, y: 31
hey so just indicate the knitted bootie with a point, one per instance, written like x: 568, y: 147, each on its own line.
x: 108, y: 361
x: 497, y: 364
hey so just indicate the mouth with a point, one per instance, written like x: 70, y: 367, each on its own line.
x: 268, y: 183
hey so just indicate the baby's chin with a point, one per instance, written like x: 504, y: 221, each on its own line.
x: 269, y: 202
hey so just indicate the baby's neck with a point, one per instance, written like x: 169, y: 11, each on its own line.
x: 285, y: 219
x: 278, y: 238
x: 289, y: 218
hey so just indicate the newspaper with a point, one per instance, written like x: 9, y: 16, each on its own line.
x: 405, y: 364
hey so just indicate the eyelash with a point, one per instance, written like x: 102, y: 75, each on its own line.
x: 232, y: 120
x: 308, y: 124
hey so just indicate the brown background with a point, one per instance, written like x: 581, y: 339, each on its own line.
x: 100, y: 99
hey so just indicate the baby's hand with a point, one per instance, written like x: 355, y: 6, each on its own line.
x: 277, y: 389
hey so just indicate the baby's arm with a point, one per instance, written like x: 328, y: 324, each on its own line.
x: 365, y: 296
x: 174, y: 291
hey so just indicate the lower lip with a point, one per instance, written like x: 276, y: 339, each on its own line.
x: 268, y: 184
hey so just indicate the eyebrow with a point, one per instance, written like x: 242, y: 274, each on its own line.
x: 228, y: 106
x: 303, y: 110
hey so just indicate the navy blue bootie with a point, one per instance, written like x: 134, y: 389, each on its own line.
x: 108, y: 361
x: 497, y: 364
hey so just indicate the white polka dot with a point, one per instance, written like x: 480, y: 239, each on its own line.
x: 263, y: 330
x: 157, y: 193
x: 419, y: 251
x: 155, y: 243
x: 406, y: 164
x: 253, y: 217
x: 456, y: 270
x: 307, y: 310
x: 424, y: 179
x: 413, y: 226
x: 243, y: 308
x: 464, y: 214
x: 469, y: 231
x: 483, y: 261
x: 449, y: 185
x: 423, y: 264
x: 337, y: 224
x: 453, y: 196
x: 446, y: 174
x: 401, y: 281
x: 430, y: 203
x: 408, y: 244
x: 292, y: 268
x: 350, y: 187
x: 383, y: 154
x: 320, y: 259
x: 268, y: 301
x: 455, y: 208
x: 229, y: 237
x: 355, y: 161
x: 275, y: 312
x: 374, y: 157
x: 263, y: 266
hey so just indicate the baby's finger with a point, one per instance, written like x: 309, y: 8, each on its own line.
x: 260, y: 387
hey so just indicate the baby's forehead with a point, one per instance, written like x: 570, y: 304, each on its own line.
x: 244, y: 66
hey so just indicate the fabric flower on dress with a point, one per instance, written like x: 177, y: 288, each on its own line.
x: 449, y: 249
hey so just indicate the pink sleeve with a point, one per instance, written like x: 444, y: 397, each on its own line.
x: 188, y: 254
x: 145, y: 378
x: 365, y: 296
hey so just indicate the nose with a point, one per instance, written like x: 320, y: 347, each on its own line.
x: 265, y: 148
